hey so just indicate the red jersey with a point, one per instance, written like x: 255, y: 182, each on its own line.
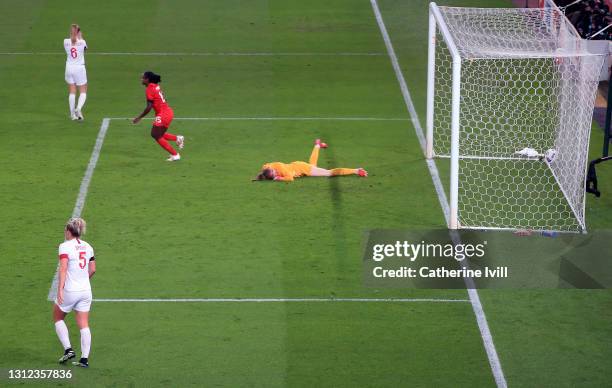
x: 155, y: 95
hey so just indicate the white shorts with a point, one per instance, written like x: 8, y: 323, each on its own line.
x: 75, y: 300
x: 76, y: 74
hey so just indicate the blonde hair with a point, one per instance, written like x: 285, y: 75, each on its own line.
x: 75, y: 30
x: 76, y: 226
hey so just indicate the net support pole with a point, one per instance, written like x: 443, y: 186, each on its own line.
x: 606, y: 145
x: 431, y: 71
x: 454, y: 170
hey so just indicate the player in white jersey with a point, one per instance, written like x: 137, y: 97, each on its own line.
x: 76, y: 266
x: 76, y: 75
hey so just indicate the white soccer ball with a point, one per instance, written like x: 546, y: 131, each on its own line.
x: 550, y: 155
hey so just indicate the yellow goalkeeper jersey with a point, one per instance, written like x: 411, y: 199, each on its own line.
x: 288, y: 172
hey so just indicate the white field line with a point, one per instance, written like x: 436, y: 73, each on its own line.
x: 481, y: 319
x: 80, y: 202
x: 207, y: 54
x: 279, y: 118
x: 283, y: 300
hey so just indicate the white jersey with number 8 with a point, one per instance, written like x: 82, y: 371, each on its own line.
x: 79, y: 254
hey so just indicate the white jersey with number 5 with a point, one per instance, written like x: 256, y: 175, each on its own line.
x: 75, y: 54
x: 79, y: 254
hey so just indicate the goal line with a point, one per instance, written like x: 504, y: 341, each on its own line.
x: 474, y: 298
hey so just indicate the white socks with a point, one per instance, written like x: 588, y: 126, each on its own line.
x: 62, y: 330
x: 62, y: 333
x: 71, y: 101
x: 82, y: 98
x: 85, y: 341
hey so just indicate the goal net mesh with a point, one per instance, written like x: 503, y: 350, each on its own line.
x: 527, y: 92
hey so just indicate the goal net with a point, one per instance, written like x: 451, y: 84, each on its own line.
x: 510, y: 103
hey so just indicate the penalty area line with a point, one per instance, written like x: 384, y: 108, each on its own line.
x: 282, y: 300
x: 279, y: 118
x: 209, y: 54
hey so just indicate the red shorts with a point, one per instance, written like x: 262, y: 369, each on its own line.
x: 163, y: 118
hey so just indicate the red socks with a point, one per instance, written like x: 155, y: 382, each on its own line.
x: 169, y: 136
x: 165, y: 145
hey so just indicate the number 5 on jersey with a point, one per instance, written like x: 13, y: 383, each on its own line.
x: 82, y: 260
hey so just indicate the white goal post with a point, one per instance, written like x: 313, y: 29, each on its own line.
x: 510, y: 95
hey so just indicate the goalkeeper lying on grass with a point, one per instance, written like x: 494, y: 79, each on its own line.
x: 287, y: 172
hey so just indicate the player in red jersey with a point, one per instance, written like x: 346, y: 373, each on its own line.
x: 163, y: 115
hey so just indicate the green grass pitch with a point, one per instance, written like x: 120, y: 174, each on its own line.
x: 201, y: 229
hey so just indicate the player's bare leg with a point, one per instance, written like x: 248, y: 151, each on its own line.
x: 62, y: 333
x: 81, y: 102
x: 82, y: 319
x: 318, y: 171
x: 72, y: 89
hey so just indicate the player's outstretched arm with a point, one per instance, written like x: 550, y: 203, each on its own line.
x: 144, y: 112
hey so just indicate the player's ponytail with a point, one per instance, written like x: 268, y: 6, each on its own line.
x: 76, y: 226
x: 74, y: 32
x: 152, y: 77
